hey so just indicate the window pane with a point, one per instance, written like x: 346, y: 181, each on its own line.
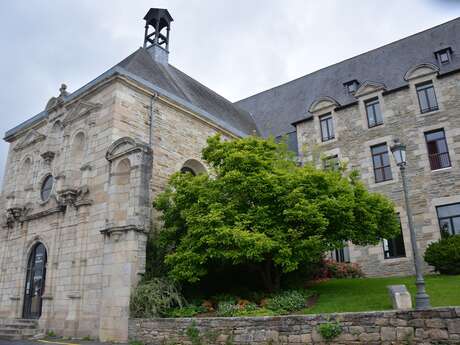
x: 441, y: 146
x: 444, y: 57
x: 449, y: 210
x: 394, y: 247
x: 378, y: 175
x: 432, y: 136
x: 377, y: 161
x: 432, y: 147
x: 388, y: 175
x: 324, y: 131
x: 456, y: 224
x: 385, y: 158
x: 378, y: 113
x: 327, y: 130
x: 379, y: 149
x: 331, y: 127
x: 423, y: 100
x: 431, y: 98
x: 444, y: 225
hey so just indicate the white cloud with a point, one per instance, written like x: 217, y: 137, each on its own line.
x: 236, y: 47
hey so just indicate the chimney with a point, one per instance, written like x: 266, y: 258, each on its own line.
x: 156, y: 38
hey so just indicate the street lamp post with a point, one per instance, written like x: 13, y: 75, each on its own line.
x: 422, y: 300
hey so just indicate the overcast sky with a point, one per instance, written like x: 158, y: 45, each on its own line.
x: 236, y: 48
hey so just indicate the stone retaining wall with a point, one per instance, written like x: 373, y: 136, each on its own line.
x: 434, y: 326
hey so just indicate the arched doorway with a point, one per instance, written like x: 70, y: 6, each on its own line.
x: 35, y: 282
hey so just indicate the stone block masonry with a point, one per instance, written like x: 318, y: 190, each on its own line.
x: 433, y: 326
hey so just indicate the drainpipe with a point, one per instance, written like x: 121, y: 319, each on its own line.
x: 152, y: 103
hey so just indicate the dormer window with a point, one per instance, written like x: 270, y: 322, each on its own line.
x: 351, y: 86
x: 444, y: 55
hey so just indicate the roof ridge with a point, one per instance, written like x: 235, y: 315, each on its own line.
x: 351, y: 58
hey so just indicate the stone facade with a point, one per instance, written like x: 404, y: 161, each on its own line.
x: 81, y: 176
x: 436, y: 326
x: 402, y: 119
x: 110, y: 152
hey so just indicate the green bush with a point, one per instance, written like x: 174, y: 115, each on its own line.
x: 187, y: 311
x: 227, y: 309
x: 334, y: 269
x: 288, y: 301
x: 330, y: 330
x: 155, y: 298
x: 444, y: 255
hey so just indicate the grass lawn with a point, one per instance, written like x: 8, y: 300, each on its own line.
x: 366, y: 294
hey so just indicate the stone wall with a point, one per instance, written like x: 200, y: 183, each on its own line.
x: 403, y: 120
x: 434, y: 326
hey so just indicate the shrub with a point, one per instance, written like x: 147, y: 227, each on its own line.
x: 444, y: 255
x: 288, y: 301
x: 188, y: 311
x: 334, y: 269
x: 154, y: 298
x: 259, y: 209
x: 227, y: 309
x: 224, y: 297
x: 330, y: 330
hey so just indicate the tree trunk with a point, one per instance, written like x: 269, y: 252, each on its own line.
x: 271, y: 276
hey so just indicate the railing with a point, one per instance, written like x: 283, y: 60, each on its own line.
x: 439, y: 160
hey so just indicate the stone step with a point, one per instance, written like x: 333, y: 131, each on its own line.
x: 18, y: 325
x: 10, y: 337
x: 9, y: 331
x: 17, y: 329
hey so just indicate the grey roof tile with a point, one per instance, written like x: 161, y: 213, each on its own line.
x: 275, y: 109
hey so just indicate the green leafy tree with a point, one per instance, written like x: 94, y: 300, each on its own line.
x: 259, y: 208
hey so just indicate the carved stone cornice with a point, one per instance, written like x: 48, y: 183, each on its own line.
x: 31, y: 138
x: 117, y: 231
x: 48, y: 156
x: 68, y: 196
x: 50, y: 211
x: 81, y: 110
x: 126, y: 146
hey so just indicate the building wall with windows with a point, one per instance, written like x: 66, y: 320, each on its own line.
x: 430, y: 128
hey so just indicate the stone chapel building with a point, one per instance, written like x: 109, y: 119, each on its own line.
x: 81, y: 175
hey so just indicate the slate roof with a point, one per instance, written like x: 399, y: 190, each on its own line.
x: 168, y: 81
x: 274, y: 110
x: 176, y: 82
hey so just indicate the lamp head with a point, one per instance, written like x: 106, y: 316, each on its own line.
x: 399, y: 152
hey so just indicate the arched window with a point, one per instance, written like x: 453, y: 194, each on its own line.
x: 123, y: 172
x: 25, y: 174
x: 193, y: 167
x: 78, y: 148
x: 55, y: 137
x: 186, y: 170
x: 120, y: 192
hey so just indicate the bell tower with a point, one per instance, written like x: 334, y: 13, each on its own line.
x: 156, y: 37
